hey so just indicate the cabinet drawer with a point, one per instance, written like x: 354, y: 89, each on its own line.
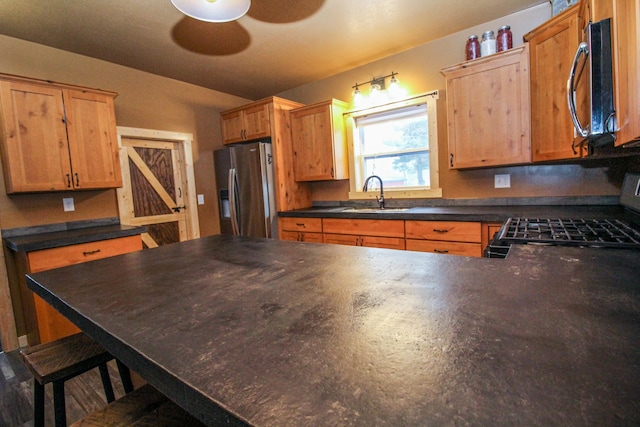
x: 364, y: 227
x: 47, y: 259
x: 441, y: 247
x: 301, y: 236
x: 313, y: 225
x: 452, y: 231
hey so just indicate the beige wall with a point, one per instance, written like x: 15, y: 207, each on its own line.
x: 144, y: 101
x: 419, y: 71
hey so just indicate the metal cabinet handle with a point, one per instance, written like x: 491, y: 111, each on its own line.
x: 438, y: 251
x: 87, y: 253
x: 451, y: 159
x: 435, y: 230
x: 68, y: 180
x: 77, y: 180
x: 300, y: 225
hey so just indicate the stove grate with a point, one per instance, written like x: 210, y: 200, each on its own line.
x: 588, y: 232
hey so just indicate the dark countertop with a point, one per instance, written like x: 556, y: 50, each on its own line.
x: 280, y: 333
x: 467, y: 213
x: 57, y: 235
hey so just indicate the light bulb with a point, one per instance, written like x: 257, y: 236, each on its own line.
x: 358, y: 98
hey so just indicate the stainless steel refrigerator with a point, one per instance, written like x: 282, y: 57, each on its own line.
x: 245, y: 184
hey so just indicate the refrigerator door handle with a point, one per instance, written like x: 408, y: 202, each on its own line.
x: 233, y: 201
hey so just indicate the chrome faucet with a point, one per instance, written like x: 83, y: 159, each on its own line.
x: 379, y: 199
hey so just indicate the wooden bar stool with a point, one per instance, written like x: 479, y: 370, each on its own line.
x: 58, y: 361
x: 143, y: 407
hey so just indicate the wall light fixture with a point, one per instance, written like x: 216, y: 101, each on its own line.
x: 378, y: 93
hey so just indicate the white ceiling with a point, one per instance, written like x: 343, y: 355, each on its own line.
x: 278, y: 45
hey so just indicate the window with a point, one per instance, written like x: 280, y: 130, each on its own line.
x: 398, y: 143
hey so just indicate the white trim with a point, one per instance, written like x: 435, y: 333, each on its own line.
x: 355, y: 168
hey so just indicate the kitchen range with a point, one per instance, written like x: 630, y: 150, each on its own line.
x: 623, y: 233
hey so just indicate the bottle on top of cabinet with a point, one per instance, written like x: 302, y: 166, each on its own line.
x: 472, y: 48
x: 488, y: 45
x: 505, y: 38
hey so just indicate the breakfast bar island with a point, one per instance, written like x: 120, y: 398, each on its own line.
x: 244, y: 331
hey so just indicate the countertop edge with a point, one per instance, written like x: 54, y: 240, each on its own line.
x: 56, y: 239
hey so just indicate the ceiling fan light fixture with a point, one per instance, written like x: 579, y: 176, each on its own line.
x: 213, y: 10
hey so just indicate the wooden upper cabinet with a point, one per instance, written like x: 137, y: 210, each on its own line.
x: 552, y: 47
x: 319, y: 142
x: 488, y: 110
x: 246, y: 123
x: 56, y: 138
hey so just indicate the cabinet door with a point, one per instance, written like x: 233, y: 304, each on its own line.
x: 51, y: 324
x: 319, y: 142
x: 382, y: 242
x: 232, y: 127
x: 256, y: 122
x: 488, y: 110
x: 301, y: 236
x: 342, y: 239
x: 93, y: 140
x: 35, y: 153
x: 552, y: 48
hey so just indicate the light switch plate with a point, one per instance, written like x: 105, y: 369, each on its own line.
x: 201, y: 199
x: 502, y: 181
x: 67, y: 203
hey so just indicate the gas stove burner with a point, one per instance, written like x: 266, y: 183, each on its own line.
x: 576, y: 232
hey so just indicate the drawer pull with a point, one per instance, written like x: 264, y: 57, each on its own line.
x: 435, y: 230
x: 300, y: 225
x: 438, y: 251
x: 87, y: 253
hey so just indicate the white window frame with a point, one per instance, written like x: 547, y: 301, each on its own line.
x: 356, y: 163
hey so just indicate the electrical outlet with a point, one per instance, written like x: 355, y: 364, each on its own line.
x: 201, y: 199
x: 502, y: 180
x: 67, y: 203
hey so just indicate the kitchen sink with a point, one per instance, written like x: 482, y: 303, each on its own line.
x: 374, y: 210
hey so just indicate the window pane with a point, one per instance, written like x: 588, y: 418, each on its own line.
x: 403, y: 170
x: 395, y: 135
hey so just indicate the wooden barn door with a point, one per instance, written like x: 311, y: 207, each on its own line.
x: 156, y: 191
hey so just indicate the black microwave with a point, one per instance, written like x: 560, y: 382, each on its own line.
x: 590, y: 87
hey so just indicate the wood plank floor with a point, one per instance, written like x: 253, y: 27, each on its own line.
x: 84, y: 394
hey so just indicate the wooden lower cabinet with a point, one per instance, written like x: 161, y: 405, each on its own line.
x: 444, y: 237
x: 51, y: 324
x: 301, y: 229
x: 387, y: 233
